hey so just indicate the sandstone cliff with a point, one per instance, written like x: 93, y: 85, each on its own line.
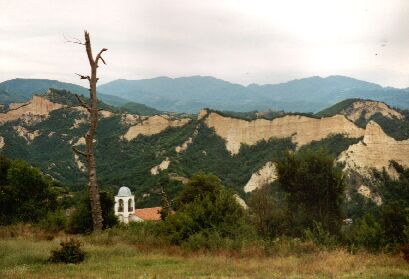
x: 301, y: 129
x: 164, y: 165
x: 375, y: 151
x: 265, y: 175
x: 154, y: 125
x: 130, y: 119
x: 24, y: 133
x: 183, y: 147
x: 37, y: 106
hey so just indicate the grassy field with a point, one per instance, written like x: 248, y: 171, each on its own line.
x: 27, y: 258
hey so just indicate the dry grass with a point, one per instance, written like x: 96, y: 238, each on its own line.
x: 26, y: 257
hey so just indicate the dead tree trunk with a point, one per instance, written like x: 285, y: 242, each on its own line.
x: 92, y: 108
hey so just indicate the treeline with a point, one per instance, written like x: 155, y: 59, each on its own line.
x: 29, y: 196
x: 306, y: 204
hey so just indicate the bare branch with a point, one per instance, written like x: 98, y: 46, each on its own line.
x: 83, y: 77
x: 79, y: 152
x: 82, y: 103
x: 102, y: 60
x: 100, y: 57
x: 89, y: 49
x: 74, y: 41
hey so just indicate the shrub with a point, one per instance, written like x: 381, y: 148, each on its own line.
x: 81, y: 219
x: 405, y: 251
x: 70, y: 252
x: 286, y: 246
x: 320, y: 236
x: 54, y: 221
x: 207, y: 214
x: 367, y: 233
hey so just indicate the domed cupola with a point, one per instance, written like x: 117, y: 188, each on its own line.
x: 124, y: 192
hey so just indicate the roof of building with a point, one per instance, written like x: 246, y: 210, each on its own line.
x: 148, y: 214
x: 124, y: 192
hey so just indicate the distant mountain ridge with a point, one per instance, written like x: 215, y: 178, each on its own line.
x: 21, y: 90
x: 190, y: 94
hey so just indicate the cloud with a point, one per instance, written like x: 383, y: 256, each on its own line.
x: 240, y: 41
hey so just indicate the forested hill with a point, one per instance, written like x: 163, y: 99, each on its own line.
x: 21, y: 90
x: 143, y: 152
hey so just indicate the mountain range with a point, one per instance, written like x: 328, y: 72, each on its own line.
x: 190, y: 94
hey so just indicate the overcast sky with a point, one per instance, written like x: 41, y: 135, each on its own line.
x: 239, y: 41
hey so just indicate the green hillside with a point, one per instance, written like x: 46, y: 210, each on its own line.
x: 338, y: 107
x: 140, y: 109
x: 396, y: 128
x: 21, y: 90
x: 128, y: 163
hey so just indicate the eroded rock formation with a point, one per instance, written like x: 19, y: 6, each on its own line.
x: 37, y: 106
x: 375, y: 151
x: 183, y: 147
x: 27, y: 135
x: 265, y: 175
x: 79, y: 163
x: 154, y: 125
x: 164, y: 165
x: 130, y: 119
x: 301, y: 129
x: 78, y: 122
x: 367, y: 109
x: 366, y: 192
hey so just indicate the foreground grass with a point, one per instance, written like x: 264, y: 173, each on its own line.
x: 27, y: 258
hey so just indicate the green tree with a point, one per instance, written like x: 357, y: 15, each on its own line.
x: 315, y: 189
x: 268, y: 211
x: 25, y: 193
x: 207, y: 211
x: 394, y: 219
x: 367, y: 232
x: 81, y: 219
x: 199, y: 186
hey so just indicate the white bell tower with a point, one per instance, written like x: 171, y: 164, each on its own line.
x: 124, y: 205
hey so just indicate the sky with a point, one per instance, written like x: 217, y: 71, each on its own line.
x: 253, y: 41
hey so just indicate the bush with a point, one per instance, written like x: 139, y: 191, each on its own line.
x: 320, y: 236
x: 367, y: 233
x: 70, y: 252
x: 405, y: 251
x: 287, y: 246
x: 54, y: 221
x: 81, y: 219
x: 207, y: 214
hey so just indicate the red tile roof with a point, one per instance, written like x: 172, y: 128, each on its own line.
x: 148, y: 214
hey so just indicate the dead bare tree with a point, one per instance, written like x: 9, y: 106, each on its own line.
x: 92, y: 108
